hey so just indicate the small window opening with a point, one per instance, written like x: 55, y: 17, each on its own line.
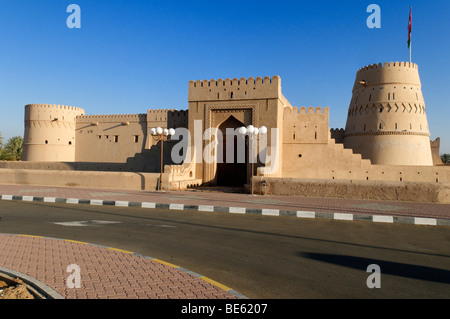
x: 136, y: 138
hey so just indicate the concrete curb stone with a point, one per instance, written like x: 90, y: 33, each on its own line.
x: 239, y: 210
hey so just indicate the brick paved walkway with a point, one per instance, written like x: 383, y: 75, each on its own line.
x: 104, y: 272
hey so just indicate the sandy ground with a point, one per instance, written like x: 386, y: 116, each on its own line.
x: 14, y: 289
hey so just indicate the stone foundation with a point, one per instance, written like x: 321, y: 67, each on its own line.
x: 373, y: 190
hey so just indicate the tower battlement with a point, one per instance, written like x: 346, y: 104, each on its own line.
x: 402, y: 73
x: 53, y: 107
x: 388, y: 65
x: 51, y: 112
x: 229, y: 89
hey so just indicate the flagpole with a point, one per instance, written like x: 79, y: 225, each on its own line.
x: 410, y: 53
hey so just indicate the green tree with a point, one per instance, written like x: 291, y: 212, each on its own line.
x: 1, y: 147
x: 445, y: 158
x: 12, y: 151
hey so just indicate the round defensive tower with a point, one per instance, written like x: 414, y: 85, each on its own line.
x: 50, y: 133
x: 386, y: 120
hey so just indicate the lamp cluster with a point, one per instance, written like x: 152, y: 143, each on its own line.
x: 161, y: 131
x: 252, y: 131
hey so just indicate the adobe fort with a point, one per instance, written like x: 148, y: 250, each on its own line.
x: 384, y: 151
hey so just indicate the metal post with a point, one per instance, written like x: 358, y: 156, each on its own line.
x: 253, y: 138
x: 251, y: 178
x: 162, y: 157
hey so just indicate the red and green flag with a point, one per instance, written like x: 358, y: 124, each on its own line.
x: 409, y: 28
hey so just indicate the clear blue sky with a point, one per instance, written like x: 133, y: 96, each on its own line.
x: 133, y: 55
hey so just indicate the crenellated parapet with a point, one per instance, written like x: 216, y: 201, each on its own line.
x: 337, y: 134
x: 51, y: 112
x: 303, y: 110
x: 160, y: 111
x: 160, y: 116
x: 54, y: 107
x: 392, y: 73
x: 380, y: 66
x: 112, y: 117
x: 236, y: 82
x: 232, y: 89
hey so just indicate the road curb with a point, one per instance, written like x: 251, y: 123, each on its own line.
x: 40, y: 288
x: 239, y: 210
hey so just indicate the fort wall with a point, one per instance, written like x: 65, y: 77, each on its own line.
x: 110, y: 138
x: 368, y: 190
x: 120, y: 137
x: 90, y: 179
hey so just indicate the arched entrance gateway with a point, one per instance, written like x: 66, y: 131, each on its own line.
x: 232, y: 155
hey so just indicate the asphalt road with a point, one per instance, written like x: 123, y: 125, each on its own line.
x: 259, y: 256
